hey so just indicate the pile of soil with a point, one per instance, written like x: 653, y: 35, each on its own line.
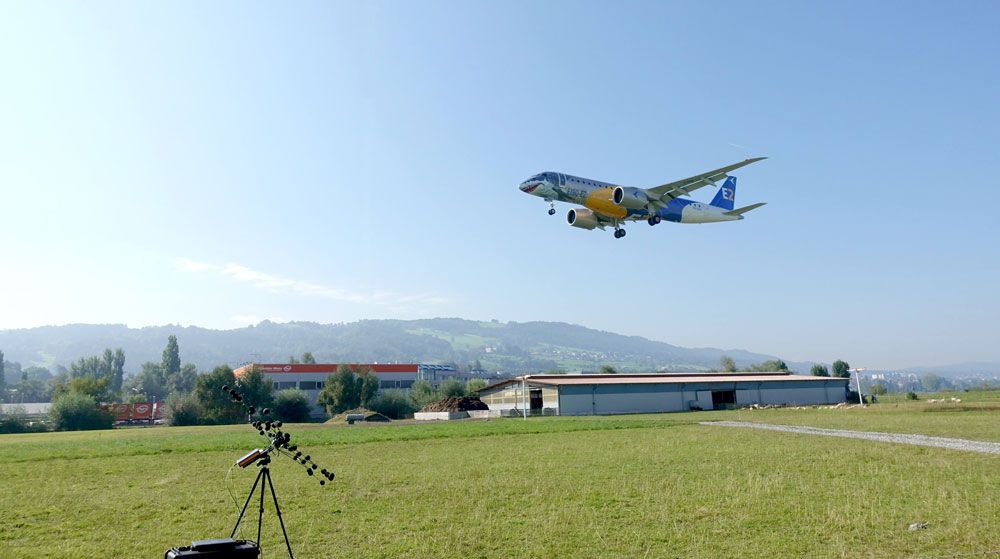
x: 369, y: 416
x: 456, y: 403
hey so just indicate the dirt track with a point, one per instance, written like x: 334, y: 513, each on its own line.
x: 921, y: 440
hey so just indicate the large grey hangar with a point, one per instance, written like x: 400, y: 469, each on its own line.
x: 613, y: 394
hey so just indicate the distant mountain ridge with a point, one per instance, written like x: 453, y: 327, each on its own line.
x: 510, y: 347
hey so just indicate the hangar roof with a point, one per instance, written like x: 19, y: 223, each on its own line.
x: 671, y: 378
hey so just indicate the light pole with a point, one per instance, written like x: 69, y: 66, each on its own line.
x: 857, y: 372
x: 524, y: 396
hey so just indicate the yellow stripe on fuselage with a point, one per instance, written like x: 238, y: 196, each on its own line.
x: 599, y: 200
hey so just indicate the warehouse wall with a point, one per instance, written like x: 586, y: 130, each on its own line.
x: 654, y: 398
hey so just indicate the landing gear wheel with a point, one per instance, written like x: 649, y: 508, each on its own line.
x: 656, y: 219
x: 552, y: 207
x: 619, y: 233
x: 552, y: 211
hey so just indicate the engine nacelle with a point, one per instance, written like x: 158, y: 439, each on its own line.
x: 582, y: 218
x: 630, y: 197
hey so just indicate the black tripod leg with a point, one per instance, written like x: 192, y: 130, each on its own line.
x: 260, y: 513
x: 277, y: 508
x: 244, y: 509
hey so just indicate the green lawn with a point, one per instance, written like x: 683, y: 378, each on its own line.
x: 626, y: 486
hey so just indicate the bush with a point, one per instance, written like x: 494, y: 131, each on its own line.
x: 392, y: 403
x: 73, y: 411
x: 911, y: 395
x: 184, y: 409
x: 13, y: 421
x: 291, y: 406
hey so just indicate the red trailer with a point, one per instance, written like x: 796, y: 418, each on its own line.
x: 142, y: 412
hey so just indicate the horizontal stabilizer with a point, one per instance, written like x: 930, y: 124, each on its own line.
x: 745, y: 209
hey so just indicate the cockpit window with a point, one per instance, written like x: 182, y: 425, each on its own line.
x: 537, y: 177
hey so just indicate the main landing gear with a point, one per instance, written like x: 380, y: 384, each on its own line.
x: 552, y: 208
x: 653, y: 220
x: 619, y: 233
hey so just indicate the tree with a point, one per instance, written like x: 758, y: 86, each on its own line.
x: 75, y: 411
x: 183, y: 381
x: 930, y: 382
x: 291, y: 406
x: 171, y: 358
x: 879, y: 388
x: 256, y: 389
x: 117, y: 365
x: 841, y: 369
x: 340, y: 392
x: 726, y: 364
x: 33, y: 390
x: 150, y: 382
x: 422, y: 393
x: 307, y: 358
x: 216, y: 404
x: 608, y: 370
x: 819, y: 370
x: 3, y: 380
x: 771, y: 366
x: 97, y: 389
x: 292, y: 360
x: 451, y: 388
x: 367, y: 387
x: 473, y: 386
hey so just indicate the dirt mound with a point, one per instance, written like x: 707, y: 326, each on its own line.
x: 369, y: 416
x: 456, y: 403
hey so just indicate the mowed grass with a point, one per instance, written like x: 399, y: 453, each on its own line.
x: 626, y: 486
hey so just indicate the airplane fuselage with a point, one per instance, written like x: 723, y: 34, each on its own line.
x: 598, y: 197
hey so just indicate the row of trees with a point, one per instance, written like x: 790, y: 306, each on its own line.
x: 350, y: 389
x: 728, y: 365
x: 840, y: 369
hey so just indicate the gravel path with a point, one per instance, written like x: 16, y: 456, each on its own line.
x: 921, y: 440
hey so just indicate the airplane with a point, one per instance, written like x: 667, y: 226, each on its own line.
x: 609, y: 204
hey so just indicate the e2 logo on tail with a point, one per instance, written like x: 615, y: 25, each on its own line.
x: 728, y: 194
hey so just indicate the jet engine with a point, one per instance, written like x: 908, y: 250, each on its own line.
x: 582, y: 218
x: 630, y: 197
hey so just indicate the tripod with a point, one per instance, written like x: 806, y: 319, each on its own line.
x: 263, y: 473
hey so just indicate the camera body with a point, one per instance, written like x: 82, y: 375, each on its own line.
x: 215, y: 549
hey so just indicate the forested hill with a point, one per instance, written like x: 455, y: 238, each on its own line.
x: 510, y: 347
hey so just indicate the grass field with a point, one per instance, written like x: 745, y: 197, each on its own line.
x: 625, y: 486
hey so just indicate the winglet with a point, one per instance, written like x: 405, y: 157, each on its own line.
x: 745, y: 209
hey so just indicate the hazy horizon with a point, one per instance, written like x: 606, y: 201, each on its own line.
x: 222, y: 164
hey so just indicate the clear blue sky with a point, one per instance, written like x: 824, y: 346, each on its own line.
x: 219, y: 163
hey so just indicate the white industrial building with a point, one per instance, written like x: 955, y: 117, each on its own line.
x: 616, y: 394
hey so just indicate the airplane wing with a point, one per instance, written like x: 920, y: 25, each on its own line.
x: 682, y: 187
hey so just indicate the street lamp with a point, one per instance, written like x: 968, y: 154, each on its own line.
x: 857, y: 372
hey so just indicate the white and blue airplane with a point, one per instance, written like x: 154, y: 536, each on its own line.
x: 605, y: 204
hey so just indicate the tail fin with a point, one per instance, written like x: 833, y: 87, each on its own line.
x: 725, y: 198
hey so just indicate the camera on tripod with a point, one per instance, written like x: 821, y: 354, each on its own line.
x: 280, y: 444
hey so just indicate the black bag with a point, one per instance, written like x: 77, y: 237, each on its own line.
x: 225, y: 548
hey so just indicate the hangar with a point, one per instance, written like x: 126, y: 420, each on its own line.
x: 615, y: 394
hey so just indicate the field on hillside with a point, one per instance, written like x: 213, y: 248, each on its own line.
x: 625, y: 486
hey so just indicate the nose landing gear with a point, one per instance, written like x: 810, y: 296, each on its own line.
x: 552, y: 208
x: 619, y: 233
